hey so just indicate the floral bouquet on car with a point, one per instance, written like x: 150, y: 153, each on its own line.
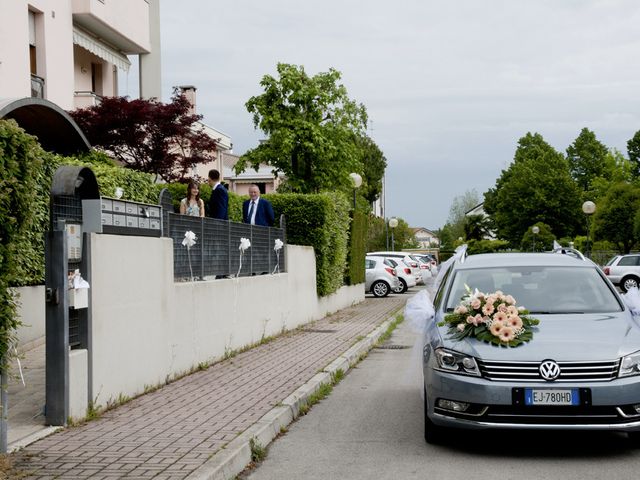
x: 491, y: 317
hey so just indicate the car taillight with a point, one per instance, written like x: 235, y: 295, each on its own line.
x: 606, y: 271
x: 413, y: 264
x: 407, y: 271
x: 390, y: 270
x: 423, y: 266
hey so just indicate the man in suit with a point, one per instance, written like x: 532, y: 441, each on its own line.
x: 219, y: 200
x: 256, y: 210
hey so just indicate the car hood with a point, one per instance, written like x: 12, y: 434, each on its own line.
x: 563, y: 337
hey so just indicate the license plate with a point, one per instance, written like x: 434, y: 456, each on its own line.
x: 547, y: 396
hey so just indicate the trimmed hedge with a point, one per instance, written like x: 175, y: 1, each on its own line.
x: 355, y: 271
x: 321, y: 221
x: 179, y: 191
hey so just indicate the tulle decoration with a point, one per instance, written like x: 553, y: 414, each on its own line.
x: 277, y: 247
x: 189, y: 241
x: 418, y: 311
x: 632, y: 300
x: 244, y: 244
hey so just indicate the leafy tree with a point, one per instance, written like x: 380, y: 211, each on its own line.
x: 540, y: 242
x: 476, y: 227
x: 486, y: 246
x: 457, y: 212
x: 586, y: 156
x: 537, y: 187
x: 374, y: 163
x: 163, y: 139
x: 379, y: 233
x: 633, y: 149
x: 312, y: 127
x: 615, y: 216
x: 617, y: 169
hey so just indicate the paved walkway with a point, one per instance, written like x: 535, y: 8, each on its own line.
x: 175, y: 432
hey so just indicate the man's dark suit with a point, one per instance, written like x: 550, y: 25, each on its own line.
x: 264, y: 212
x: 218, y: 203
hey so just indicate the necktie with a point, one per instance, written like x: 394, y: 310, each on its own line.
x: 251, y: 211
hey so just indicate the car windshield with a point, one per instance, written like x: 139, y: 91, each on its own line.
x: 540, y: 289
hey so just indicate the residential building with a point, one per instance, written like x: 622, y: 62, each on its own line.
x: 239, y: 183
x: 68, y: 51
x: 425, y: 238
x: 478, y: 210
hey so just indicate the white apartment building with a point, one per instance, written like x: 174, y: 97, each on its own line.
x: 68, y: 51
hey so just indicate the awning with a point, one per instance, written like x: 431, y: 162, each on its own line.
x: 100, y: 49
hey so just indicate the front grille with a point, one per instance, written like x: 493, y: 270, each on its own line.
x: 527, y: 372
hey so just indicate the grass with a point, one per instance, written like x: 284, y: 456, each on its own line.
x: 392, y: 326
x: 258, y: 452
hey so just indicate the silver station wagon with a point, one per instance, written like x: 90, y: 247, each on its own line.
x: 578, y: 369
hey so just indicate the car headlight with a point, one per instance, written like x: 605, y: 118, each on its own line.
x: 455, y: 362
x: 630, y: 365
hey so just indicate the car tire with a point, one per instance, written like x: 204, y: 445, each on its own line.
x: 628, y: 282
x: 380, y: 288
x: 402, y: 287
x: 433, y: 433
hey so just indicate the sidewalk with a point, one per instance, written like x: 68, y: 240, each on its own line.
x: 200, y: 426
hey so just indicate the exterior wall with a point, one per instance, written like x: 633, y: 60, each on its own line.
x: 31, y: 310
x: 160, y: 329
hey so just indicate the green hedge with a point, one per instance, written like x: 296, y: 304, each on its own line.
x: 179, y: 191
x: 355, y: 272
x: 321, y: 221
x: 20, y: 161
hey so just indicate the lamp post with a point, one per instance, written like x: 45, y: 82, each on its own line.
x: 588, y: 208
x: 393, y: 223
x: 535, y: 230
x: 357, y: 181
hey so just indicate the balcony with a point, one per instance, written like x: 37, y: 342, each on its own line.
x: 85, y: 99
x: 37, y: 86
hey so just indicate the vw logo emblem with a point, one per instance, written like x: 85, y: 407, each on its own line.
x: 549, y: 370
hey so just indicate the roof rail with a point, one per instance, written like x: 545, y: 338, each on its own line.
x: 569, y: 251
x: 461, y: 253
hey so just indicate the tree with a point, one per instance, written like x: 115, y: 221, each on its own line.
x: 458, y: 210
x: 617, y: 169
x: 374, y: 164
x: 537, y: 187
x: 163, y: 139
x: 312, y: 129
x: 615, y: 216
x: 633, y: 149
x: 540, y: 242
x: 476, y: 227
x: 587, y: 159
x: 379, y: 233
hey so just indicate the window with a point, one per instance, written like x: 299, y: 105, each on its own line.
x: 629, y: 261
x: 32, y: 43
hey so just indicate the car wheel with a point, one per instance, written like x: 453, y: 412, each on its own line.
x: 380, y: 289
x: 432, y: 433
x: 402, y: 287
x: 629, y: 282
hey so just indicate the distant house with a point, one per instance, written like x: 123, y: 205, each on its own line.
x: 425, y: 237
x: 478, y: 210
x: 239, y: 183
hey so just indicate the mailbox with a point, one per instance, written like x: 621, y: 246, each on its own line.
x: 125, y: 217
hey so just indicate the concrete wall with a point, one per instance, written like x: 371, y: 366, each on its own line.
x: 31, y: 310
x: 146, y: 328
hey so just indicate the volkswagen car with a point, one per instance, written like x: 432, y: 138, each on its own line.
x: 580, y: 370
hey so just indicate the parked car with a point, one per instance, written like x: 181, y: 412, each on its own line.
x: 624, y: 271
x: 380, y: 276
x: 427, y: 270
x: 405, y: 277
x: 579, y: 371
x: 405, y: 258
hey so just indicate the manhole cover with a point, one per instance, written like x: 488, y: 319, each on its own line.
x: 393, y: 347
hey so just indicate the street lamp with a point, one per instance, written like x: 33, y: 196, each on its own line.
x: 588, y: 208
x: 536, y: 230
x: 356, y: 179
x: 393, y: 223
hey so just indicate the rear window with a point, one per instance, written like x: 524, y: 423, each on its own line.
x: 540, y: 289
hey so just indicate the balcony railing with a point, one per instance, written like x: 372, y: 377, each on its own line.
x: 37, y: 86
x: 84, y: 99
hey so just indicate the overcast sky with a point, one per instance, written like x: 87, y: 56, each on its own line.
x: 450, y: 86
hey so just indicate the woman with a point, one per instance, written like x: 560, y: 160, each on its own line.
x: 192, y: 205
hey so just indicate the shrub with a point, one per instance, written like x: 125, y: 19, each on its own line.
x: 355, y: 271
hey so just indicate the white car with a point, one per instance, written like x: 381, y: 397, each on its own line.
x: 403, y: 258
x: 405, y: 276
x: 380, y: 276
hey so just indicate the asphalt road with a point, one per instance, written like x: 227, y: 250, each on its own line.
x: 371, y: 427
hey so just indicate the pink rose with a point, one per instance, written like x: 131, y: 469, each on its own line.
x: 502, y: 307
x: 476, y: 303
x: 470, y: 319
x: 461, y: 310
x: 510, y: 300
x: 461, y: 327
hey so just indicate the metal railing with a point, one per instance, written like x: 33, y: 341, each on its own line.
x: 216, y: 252
x: 37, y: 86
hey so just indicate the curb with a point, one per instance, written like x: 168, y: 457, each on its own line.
x: 34, y: 437
x: 234, y: 457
